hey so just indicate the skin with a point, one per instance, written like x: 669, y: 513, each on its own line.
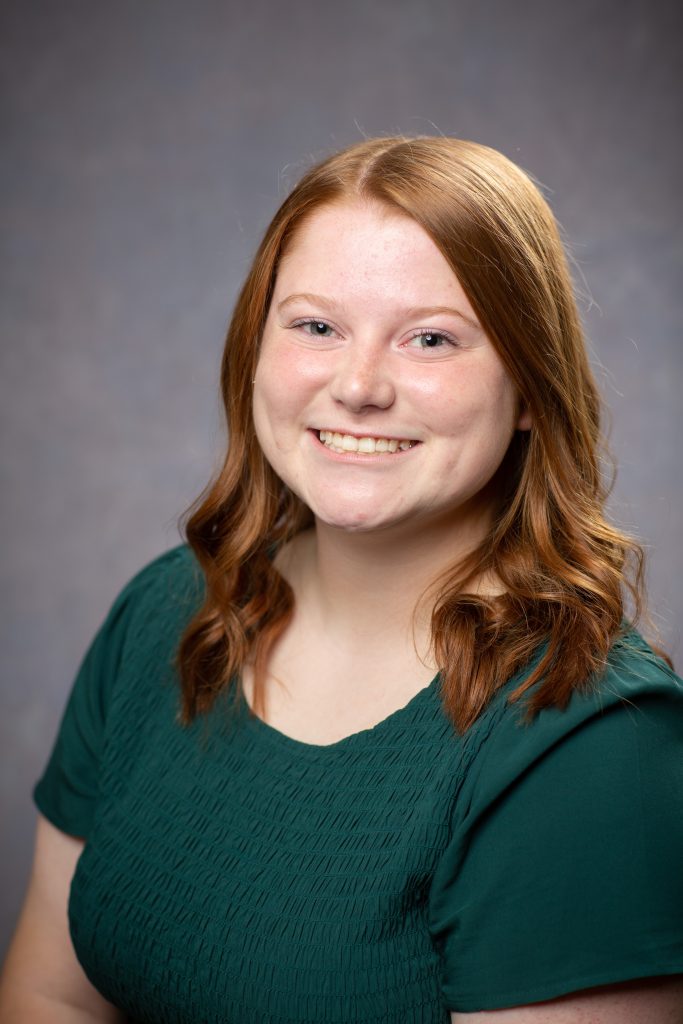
x: 376, y: 371
x: 384, y: 528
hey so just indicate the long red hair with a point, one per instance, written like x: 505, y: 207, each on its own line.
x: 565, y: 570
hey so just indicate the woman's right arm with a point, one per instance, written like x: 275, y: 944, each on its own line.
x: 42, y: 981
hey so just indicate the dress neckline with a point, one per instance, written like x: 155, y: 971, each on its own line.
x: 276, y: 736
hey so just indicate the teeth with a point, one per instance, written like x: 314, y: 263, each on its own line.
x: 364, y: 445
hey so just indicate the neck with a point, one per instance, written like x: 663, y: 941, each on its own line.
x: 376, y: 588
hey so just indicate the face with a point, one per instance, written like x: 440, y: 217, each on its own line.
x: 378, y: 398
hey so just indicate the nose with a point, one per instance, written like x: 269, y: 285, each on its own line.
x: 362, y: 378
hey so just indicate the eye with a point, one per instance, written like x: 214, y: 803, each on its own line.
x: 430, y: 340
x: 315, y: 328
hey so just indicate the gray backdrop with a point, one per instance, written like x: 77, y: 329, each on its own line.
x: 146, y: 145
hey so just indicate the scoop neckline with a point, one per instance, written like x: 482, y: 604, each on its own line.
x: 283, y: 740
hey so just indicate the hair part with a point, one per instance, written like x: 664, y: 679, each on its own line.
x: 564, y: 569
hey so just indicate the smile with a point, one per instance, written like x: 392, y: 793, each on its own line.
x: 364, y: 445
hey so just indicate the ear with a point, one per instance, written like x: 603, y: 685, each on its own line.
x: 524, y: 420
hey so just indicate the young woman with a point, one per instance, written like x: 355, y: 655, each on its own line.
x: 377, y: 743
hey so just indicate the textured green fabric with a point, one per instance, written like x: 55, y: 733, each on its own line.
x: 233, y: 874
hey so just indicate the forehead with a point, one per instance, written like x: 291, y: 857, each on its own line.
x: 364, y: 248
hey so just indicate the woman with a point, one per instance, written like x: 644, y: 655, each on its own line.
x: 377, y: 744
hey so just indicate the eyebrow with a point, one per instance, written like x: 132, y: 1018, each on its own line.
x: 408, y: 313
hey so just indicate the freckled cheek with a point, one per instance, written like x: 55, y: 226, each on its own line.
x: 290, y: 372
x: 448, y: 406
x: 282, y: 392
x: 469, y: 404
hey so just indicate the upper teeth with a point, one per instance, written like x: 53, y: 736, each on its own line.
x: 366, y: 445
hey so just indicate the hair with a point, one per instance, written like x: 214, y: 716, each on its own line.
x: 566, y: 573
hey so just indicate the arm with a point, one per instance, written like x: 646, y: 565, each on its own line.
x: 644, y: 1001
x: 42, y: 980
x: 559, y: 895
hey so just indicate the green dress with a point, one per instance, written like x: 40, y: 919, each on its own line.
x: 234, y: 874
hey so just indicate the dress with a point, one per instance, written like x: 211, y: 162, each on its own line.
x: 233, y: 874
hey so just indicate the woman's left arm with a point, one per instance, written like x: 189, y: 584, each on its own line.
x: 643, y: 1001
x: 559, y: 898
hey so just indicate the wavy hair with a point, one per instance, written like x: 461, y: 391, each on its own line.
x: 565, y: 571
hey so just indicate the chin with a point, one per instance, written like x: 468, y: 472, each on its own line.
x: 350, y: 517
x: 350, y: 524
x: 356, y: 520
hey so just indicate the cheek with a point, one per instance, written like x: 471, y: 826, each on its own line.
x: 286, y: 376
x: 476, y: 398
x: 284, y: 384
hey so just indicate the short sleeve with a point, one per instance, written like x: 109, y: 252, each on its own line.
x: 565, y: 867
x: 66, y: 793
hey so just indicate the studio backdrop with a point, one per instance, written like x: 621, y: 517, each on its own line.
x: 146, y: 146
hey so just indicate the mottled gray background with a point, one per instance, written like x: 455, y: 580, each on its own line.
x: 145, y: 145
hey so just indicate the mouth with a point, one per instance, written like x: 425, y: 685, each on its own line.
x: 364, y: 445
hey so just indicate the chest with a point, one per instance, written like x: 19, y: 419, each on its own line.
x: 317, y: 693
x: 239, y: 878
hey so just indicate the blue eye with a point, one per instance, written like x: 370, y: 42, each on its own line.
x: 430, y: 340
x: 316, y: 328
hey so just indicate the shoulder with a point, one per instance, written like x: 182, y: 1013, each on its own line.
x: 175, y: 571
x: 637, y: 701
x: 119, y: 688
x: 143, y: 624
x: 633, y: 668
x: 130, y: 662
x: 168, y: 585
x: 575, y: 819
x: 562, y: 870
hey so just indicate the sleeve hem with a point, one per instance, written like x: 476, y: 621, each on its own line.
x: 71, y: 825
x: 470, y: 1002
